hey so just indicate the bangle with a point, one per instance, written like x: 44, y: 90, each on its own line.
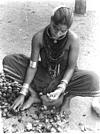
x: 25, y: 85
x: 33, y: 64
x: 65, y: 81
x: 63, y: 86
x: 24, y: 90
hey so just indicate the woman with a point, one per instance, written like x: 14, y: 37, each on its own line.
x: 56, y: 75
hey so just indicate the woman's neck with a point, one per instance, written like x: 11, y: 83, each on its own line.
x: 51, y: 35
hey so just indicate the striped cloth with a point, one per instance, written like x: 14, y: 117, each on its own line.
x: 82, y: 83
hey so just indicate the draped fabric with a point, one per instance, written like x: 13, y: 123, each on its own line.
x: 82, y: 83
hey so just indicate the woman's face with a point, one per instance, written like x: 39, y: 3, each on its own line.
x: 58, y: 30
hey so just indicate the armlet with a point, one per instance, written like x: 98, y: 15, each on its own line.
x: 33, y: 64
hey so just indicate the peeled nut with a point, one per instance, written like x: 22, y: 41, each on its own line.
x: 53, y: 130
x: 29, y: 126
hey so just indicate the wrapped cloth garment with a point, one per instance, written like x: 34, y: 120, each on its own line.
x: 51, y: 68
x: 83, y: 83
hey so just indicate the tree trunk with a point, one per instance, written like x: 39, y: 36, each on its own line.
x: 80, y: 6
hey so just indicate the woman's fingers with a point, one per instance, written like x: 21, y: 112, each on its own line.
x: 19, y: 107
x: 53, y: 96
x: 15, y: 105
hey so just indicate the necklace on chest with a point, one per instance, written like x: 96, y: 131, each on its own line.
x: 55, y: 41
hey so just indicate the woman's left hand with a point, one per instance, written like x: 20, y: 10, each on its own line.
x: 60, y: 89
x: 55, y: 95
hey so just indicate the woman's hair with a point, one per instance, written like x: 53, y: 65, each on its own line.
x: 63, y: 15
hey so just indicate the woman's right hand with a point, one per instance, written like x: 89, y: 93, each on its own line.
x: 18, y: 102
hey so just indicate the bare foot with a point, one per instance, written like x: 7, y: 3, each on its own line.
x: 31, y: 100
x: 66, y: 106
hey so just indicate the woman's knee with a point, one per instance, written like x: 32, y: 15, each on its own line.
x: 93, y: 78
x: 7, y: 59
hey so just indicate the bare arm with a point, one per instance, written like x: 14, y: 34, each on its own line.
x: 29, y: 74
x: 72, y: 59
x: 32, y: 68
x: 35, y: 48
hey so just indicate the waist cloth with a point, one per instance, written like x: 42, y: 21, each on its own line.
x: 82, y: 83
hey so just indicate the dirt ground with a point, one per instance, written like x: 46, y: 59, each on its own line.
x: 18, y: 23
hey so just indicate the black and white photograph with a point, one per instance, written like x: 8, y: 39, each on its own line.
x: 49, y: 66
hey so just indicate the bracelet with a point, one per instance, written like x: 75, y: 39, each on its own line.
x: 65, y: 81
x: 24, y: 90
x: 33, y: 64
x: 25, y: 85
x: 63, y: 86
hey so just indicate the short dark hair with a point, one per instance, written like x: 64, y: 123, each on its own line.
x: 63, y: 15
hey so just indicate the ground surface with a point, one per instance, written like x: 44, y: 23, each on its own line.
x: 20, y: 20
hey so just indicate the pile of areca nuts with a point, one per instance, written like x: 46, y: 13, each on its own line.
x: 9, y: 90
x: 49, y: 120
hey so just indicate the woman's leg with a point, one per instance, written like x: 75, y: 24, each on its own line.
x: 15, y: 67
x: 83, y: 83
x: 33, y: 99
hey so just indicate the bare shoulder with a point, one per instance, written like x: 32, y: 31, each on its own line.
x: 73, y: 36
x: 73, y: 39
x: 38, y: 37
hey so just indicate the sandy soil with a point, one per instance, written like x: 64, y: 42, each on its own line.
x: 20, y: 20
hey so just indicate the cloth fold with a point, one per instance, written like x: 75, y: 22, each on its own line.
x: 82, y: 83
